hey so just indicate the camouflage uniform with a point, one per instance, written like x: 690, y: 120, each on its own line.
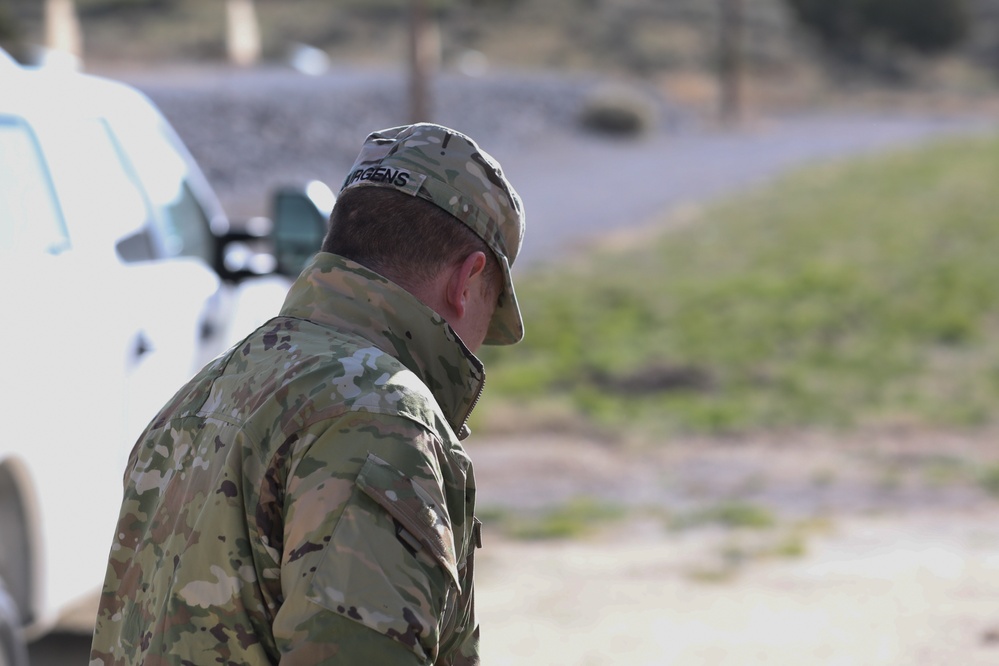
x: 305, y: 498
x: 307, y: 481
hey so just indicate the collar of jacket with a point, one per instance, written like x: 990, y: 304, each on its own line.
x: 336, y: 292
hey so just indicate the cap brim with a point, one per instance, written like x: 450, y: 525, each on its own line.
x: 507, y: 326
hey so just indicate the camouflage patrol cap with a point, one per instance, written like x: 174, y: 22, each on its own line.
x: 449, y: 169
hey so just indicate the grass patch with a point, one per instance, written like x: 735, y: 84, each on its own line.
x: 944, y: 470
x: 575, y: 519
x: 727, y: 514
x: 744, y: 549
x: 735, y: 555
x: 862, y: 293
x: 989, y: 480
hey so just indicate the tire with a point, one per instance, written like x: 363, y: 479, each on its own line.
x: 17, y: 568
x: 19, y: 549
x: 13, y: 651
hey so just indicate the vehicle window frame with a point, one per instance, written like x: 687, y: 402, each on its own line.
x: 159, y: 225
x: 63, y: 240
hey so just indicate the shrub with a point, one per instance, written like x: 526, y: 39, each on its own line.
x: 925, y: 26
x: 618, y: 110
x: 9, y: 29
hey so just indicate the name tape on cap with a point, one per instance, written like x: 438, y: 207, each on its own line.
x: 401, y: 179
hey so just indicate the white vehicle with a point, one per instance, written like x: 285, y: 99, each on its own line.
x: 111, y: 250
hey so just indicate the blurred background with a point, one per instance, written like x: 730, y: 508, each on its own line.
x: 552, y: 68
x: 754, y: 417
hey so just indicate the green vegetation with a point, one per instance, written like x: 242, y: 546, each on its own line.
x: 848, y: 295
x: 943, y: 470
x: 619, y: 110
x: 572, y: 520
x: 728, y: 514
x: 736, y: 554
x: 927, y: 26
x: 989, y: 480
x: 647, y: 38
x: 644, y: 37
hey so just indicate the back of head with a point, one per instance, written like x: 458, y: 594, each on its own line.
x: 421, y: 197
x: 405, y: 238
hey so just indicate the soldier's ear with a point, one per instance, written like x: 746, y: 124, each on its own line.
x: 463, y: 282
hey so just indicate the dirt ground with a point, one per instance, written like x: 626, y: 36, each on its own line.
x: 882, y: 549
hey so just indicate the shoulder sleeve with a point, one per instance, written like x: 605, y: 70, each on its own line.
x: 368, y: 570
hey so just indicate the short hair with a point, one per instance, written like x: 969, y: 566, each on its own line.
x: 405, y: 238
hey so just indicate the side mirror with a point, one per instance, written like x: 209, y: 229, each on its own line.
x: 300, y: 223
x: 244, y: 252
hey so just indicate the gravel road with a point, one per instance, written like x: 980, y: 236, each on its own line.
x: 256, y: 130
x: 252, y: 130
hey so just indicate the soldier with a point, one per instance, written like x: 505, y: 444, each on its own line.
x: 305, y: 499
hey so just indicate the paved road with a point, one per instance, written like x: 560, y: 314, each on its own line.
x: 577, y: 189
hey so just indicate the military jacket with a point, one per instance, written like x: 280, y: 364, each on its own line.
x: 305, y: 498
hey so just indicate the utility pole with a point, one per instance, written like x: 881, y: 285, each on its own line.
x: 424, y: 52
x: 242, y: 32
x: 62, y: 28
x: 731, y: 65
